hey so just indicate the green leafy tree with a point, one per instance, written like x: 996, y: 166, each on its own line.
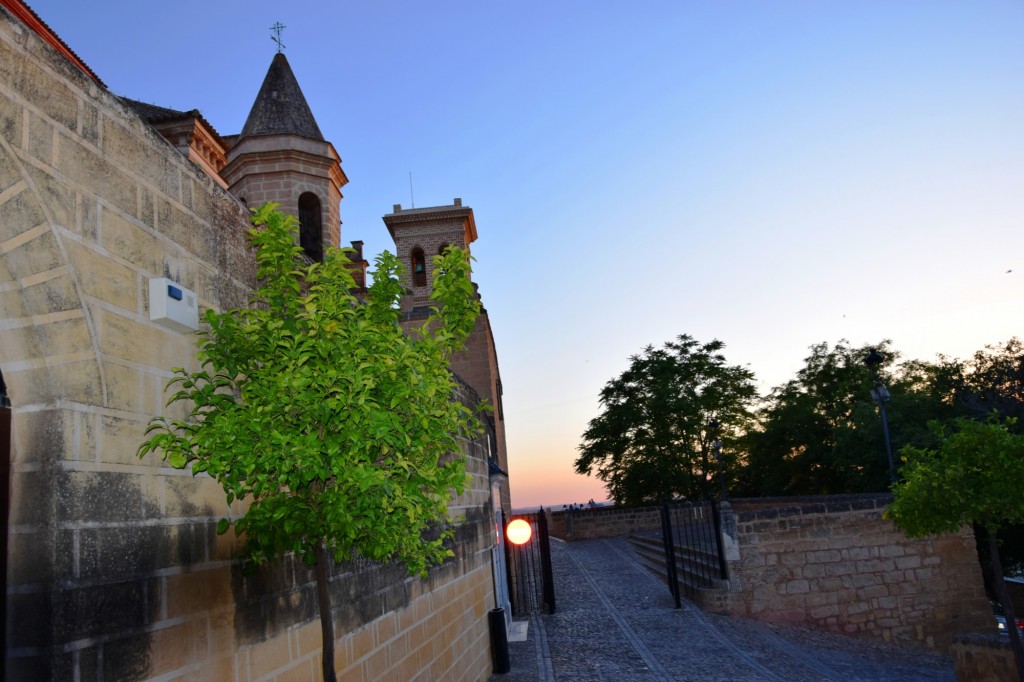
x: 652, y: 440
x: 820, y: 433
x: 338, y: 431
x: 974, y: 476
x: 991, y: 381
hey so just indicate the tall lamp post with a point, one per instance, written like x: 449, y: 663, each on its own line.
x: 880, y: 394
x: 716, y: 447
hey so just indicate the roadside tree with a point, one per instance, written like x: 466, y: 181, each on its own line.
x: 653, y: 439
x: 332, y: 431
x: 820, y: 433
x: 974, y: 476
x: 990, y: 381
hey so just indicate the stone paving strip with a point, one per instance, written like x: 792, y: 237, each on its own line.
x: 616, y: 622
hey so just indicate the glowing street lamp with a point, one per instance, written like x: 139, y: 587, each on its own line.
x: 518, y: 532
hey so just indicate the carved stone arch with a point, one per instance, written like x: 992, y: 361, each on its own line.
x: 311, y: 226
x: 51, y: 367
x: 48, y: 349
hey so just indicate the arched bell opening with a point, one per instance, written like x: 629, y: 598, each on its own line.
x: 310, y: 235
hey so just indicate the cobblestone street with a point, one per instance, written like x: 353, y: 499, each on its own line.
x: 615, y: 623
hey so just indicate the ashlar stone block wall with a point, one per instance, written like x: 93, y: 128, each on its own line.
x: 835, y: 563
x: 603, y: 522
x: 114, y: 568
x: 827, y: 562
x: 984, y: 657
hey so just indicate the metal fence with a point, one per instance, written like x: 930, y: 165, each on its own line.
x: 692, y: 535
x: 530, y: 585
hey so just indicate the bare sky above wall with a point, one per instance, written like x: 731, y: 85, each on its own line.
x: 770, y: 174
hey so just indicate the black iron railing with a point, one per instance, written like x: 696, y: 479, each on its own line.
x: 530, y: 585
x: 694, y: 557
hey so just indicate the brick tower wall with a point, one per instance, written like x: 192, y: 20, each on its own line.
x: 280, y: 168
x: 432, y: 229
x: 477, y: 365
x: 431, y: 235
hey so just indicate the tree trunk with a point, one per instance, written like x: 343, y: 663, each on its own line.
x: 323, y: 598
x: 1004, y: 599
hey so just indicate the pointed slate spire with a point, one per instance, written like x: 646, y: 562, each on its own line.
x: 280, y: 107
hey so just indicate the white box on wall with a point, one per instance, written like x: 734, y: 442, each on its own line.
x: 172, y: 305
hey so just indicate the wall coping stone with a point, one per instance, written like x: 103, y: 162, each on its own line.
x: 765, y: 508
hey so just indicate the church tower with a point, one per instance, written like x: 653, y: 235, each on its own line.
x: 419, y: 235
x: 281, y: 156
x: 422, y: 233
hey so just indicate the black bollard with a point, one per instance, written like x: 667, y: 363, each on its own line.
x: 499, y: 641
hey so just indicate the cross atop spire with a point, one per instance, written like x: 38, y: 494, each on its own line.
x: 277, y: 28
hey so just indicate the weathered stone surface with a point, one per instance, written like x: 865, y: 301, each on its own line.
x: 142, y: 342
x: 102, y: 278
x: 32, y: 252
x: 135, y: 244
x: 19, y: 213
x: 122, y: 436
x: 89, y: 123
x: 96, y: 174
x: 185, y: 496
x: 76, y: 380
x: 45, y: 92
x: 93, y: 496
x: 59, y: 199
x: 10, y: 121
x: 61, y: 337
x: 40, y: 139
x: 185, y: 229
x: 126, y: 146
x: 984, y: 658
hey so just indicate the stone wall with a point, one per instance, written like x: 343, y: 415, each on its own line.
x: 477, y: 365
x: 984, y: 657
x: 828, y: 562
x: 835, y: 563
x: 114, y: 568
x: 603, y: 522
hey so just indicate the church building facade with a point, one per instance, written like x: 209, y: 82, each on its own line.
x: 112, y: 566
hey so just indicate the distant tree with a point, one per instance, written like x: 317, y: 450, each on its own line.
x: 337, y: 430
x: 820, y: 433
x: 652, y: 440
x: 973, y: 477
x: 991, y: 381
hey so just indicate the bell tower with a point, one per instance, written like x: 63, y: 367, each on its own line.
x: 422, y: 233
x: 281, y: 156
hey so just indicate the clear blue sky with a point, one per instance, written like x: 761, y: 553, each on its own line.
x: 772, y: 174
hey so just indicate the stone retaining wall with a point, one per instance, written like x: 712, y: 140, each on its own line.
x: 587, y: 524
x: 984, y: 657
x: 830, y: 562
x: 835, y: 563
